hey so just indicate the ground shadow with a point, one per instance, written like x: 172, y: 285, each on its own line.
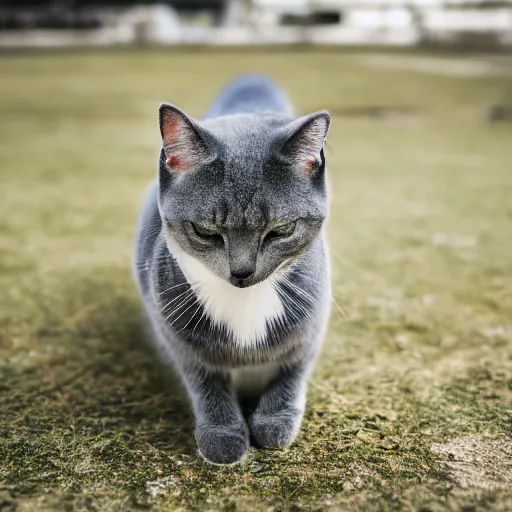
x: 98, y: 402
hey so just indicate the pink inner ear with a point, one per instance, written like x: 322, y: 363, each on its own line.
x: 172, y: 160
x: 171, y: 128
x: 176, y: 163
x: 174, y: 134
x: 310, y: 164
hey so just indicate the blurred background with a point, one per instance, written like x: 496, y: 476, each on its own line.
x: 240, y: 22
x: 410, y: 405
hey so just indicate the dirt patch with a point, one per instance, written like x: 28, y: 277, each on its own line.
x: 478, y: 462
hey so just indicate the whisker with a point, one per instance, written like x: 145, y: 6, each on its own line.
x: 316, y: 281
x: 195, y: 313
x: 179, y: 306
x: 309, y: 278
x: 300, y: 291
x: 199, y: 321
x: 274, y: 322
x: 172, y: 288
x: 297, y: 304
x: 183, y: 312
x: 299, y: 313
x: 343, y: 314
x: 338, y: 308
x: 174, y: 311
x: 175, y: 299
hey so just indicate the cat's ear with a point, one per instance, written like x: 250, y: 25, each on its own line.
x: 305, y: 139
x: 183, y: 140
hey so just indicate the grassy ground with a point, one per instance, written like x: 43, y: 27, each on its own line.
x: 411, y: 403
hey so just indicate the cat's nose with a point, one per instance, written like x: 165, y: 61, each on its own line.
x: 241, y: 275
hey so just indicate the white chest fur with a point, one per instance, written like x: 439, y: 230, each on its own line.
x: 244, y: 311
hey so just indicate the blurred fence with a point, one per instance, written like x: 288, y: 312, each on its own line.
x: 241, y: 22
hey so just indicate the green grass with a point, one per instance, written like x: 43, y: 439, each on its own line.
x: 410, y: 407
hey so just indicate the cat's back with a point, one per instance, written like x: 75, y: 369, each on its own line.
x: 250, y: 94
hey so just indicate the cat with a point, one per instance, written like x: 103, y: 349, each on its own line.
x: 231, y: 262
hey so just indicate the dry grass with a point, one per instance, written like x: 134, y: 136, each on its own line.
x: 421, y: 237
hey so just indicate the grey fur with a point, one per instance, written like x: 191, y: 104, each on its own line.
x: 244, y: 171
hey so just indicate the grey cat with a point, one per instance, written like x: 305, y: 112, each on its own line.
x: 232, y: 266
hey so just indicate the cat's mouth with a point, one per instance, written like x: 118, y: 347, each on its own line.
x: 243, y: 283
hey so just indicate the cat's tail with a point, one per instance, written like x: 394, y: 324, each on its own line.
x: 248, y: 94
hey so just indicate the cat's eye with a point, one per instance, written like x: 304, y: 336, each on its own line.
x: 282, y: 231
x: 206, y: 232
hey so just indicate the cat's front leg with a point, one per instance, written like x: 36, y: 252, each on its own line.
x: 221, y: 431
x: 276, y: 421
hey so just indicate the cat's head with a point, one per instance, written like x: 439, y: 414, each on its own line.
x: 243, y: 195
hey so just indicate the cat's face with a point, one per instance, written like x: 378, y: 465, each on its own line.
x: 243, y: 195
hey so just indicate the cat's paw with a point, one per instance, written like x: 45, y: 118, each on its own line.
x: 222, y: 444
x: 277, y: 430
